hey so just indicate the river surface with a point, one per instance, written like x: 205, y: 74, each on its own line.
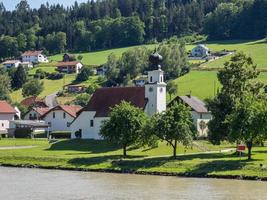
x: 38, y: 184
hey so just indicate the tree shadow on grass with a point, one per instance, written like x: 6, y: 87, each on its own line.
x: 90, y: 146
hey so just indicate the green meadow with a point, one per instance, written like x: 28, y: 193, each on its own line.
x: 100, y: 155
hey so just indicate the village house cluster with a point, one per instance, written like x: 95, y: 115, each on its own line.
x: 85, y: 122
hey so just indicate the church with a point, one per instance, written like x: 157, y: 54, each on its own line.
x: 151, y: 98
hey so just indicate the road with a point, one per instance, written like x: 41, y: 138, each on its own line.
x: 51, y: 100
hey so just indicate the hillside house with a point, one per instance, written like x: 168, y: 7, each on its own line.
x: 200, y: 113
x: 151, y: 98
x: 34, y: 57
x: 7, y: 114
x: 27, y: 64
x: 76, y: 88
x: 33, y: 102
x: 101, y: 71
x: 11, y: 64
x: 68, y: 57
x: 201, y: 51
x: 141, y: 81
x: 69, y: 67
x: 60, y: 117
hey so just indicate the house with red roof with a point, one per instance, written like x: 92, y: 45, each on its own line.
x: 151, y: 98
x: 7, y: 114
x: 199, y: 111
x: 36, y: 113
x: 60, y: 117
x: 69, y: 67
x: 34, y: 57
x: 11, y: 64
x: 33, y: 101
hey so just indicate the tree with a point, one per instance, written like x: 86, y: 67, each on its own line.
x: 248, y: 121
x: 5, y: 87
x: 22, y: 41
x: 85, y: 73
x: 80, y: 57
x: 173, y: 126
x: 33, y: 87
x: 172, y: 88
x: 82, y: 99
x: 237, y: 78
x: 19, y: 77
x: 124, y: 126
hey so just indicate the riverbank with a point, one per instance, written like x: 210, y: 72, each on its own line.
x: 98, y: 156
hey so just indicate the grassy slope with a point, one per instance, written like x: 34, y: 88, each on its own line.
x: 256, y: 49
x: 203, y: 84
x: 85, y: 154
x: 99, y: 57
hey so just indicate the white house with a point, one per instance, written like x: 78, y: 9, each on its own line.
x: 27, y: 64
x: 140, y: 81
x: 151, y: 98
x: 69, y: 67
x: 36, y: 113
x: 200, y: 51
x: 7, y: 114
x: 11, y: 63
x: 199, y: 112
x: 34, y: 57
x: 60, y: 117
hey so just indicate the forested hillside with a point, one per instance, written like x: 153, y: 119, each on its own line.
x: 98, y: 24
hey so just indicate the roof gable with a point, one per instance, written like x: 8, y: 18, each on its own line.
x: 31, y: 53
x: 105, y: 98
x: 72, y: 110
x: 70, y: 63
x: 6, y: 108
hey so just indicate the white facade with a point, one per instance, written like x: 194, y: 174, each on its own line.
x: 5, y: 121
x: 58, y: 120
x: 155, y: 92
x: 32, y: 115
x: 197, y: 118
x: 88, y: 125
x: 40, y: 58
x: 200, y: 51
x: 11, y: 64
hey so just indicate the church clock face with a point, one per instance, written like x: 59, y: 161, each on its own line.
x: 151, y: 89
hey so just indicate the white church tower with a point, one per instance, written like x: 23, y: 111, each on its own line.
x: 155, y: 89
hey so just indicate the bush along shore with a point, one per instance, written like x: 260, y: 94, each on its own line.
x: 99, y: 156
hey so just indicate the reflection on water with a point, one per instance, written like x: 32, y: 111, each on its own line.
x: 36, y: 184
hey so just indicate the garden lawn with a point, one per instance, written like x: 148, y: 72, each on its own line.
x: 203, y: 84
x: 98, y: 155
x: 256, y: 49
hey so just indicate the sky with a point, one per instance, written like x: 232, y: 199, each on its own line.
x: 10, y: 4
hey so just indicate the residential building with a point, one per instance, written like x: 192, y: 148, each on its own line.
x: 7, y: 113
x: 141, y: 81
x: 69, y: 67
x: 76, y: 88
x: 11, y: 64
x: 199, y: 111
x: 151, y: 98
x: 68, y: 57
x: 101, y: 71
x: 33, y: 101
x: 27, y: 64
x: 36, y: 113
x: 60, y: 117
x: 34, y: 57
x: 201, y: 51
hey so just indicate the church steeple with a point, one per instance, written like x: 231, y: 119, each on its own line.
x: 156, y: 87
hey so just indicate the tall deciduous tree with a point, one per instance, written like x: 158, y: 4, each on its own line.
x: 173, y: 126
x: 124, y: 126
x: 5, y: 87
x: 33, y: 87
x: 172, y: 88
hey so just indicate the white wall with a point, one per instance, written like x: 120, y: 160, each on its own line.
x: 4, y: 121
x: 58, y: 123
x: 32, y: 113
x: 35, y: 59
x: 83, y: 123
x: 78, y: 68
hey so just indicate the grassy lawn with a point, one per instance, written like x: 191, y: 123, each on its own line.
x: 88, y: 154
x: 99, y: 57
x: 256, y: 49
x: 203, y: 84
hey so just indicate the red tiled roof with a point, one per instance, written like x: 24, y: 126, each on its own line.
x: 32, y: 100
x: 105, y: 98
x: 41, y: 110
x: 195, y: 103
x: 72, y: 110
x: 10, y: 62
x: 31, y: 53
x: 5, y: 108
x: 64, y: 64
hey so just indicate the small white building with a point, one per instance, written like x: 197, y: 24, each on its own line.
x: 200, y: 114
x: 36, y: 113
x: 27, y: 64
x: 34, y: 57
x: 7, y: 114
x: 11, y: 64
x: 60, y: 117
x: 200, y: 51
x: 70, y: 67
x: 151, y: 98
x: 140, y: 81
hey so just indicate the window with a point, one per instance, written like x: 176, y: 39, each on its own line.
x: 68, y: 124
x: 54, y: 115
x: 151, y: 79
x: 91, y: 123
x: 161, y: 79
x: 3, y: 124
x: 64, y: 115
x: 201, y: 117
x: 49, y: 124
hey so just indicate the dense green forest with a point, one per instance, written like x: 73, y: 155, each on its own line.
x: 115, y: 23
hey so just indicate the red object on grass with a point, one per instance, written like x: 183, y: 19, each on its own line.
x: 241, y: 148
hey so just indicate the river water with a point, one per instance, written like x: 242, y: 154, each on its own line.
x: 37, y: 184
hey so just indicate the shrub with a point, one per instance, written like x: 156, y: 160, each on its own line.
x: 61, y: 134
x: 55, y: 76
